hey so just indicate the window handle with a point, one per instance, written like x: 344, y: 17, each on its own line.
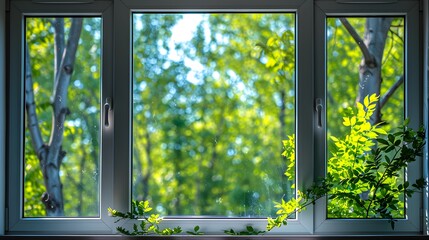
x: 319, y: 110
x: 107, y: 109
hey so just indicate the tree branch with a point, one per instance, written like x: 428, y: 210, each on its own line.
x: 59, y: 44
x: 53, y: 198
x: 30, y: 108
x: 391, y: 91
x: 369, y: 59
x: 60, y: 91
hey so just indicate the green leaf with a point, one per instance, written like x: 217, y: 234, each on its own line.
x: 391, y: 138
x: 346, y: 121
x: 382, y: 141
x: 366, y: 101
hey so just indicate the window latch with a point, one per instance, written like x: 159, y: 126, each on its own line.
x: 319, y: 110
x: 107, y: 109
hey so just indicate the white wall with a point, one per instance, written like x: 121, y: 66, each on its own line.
x: 2, y: 114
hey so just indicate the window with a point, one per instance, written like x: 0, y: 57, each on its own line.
x: 328, y: 216
x: 191, y: 104
x: 343, y: 91
x: 73, y: 129
x: 64, y: 53
x: 201, y: 120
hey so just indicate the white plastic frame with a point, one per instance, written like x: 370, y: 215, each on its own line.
x: 16, y: 223
x: 303, y: 9
x: 116, y: 149
x: 412, y: 224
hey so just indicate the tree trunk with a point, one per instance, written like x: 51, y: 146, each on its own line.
x: 50, y: 155
x: 148, y: 172
x: 372, y: 48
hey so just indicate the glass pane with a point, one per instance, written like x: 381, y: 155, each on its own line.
x: 354, y: 73
x: 213, y: 98
x: 62, y: 111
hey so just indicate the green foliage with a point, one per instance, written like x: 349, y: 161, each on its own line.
x: 249, y: 231
x: 365, y: 173
x: 196, y: 231
x: 148, y: 223
x: 79, y: 169
x: 289, y: 154
x: 343, y: 57
x: 181, y: 147
x: 190, y: 122
x: 287, y: 209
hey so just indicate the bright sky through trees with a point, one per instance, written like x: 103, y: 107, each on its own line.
x: 198, y: 151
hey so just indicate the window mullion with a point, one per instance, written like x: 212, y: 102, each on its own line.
x: 305, y: 106
x: 319, y: 92
x: 426, y: 108
x: 122, y: 108
x: 2, y: 115
x: 107, y: 138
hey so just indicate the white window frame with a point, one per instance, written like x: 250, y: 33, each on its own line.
x: 16, y: 223
x: 426, y: 111
x: 413, y: 108
x: 116, y: 160
x: 303, y: 9
x: 2, y: 114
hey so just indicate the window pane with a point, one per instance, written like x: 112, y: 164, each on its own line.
x: 213, y: 98
x: 351, y: 76
x: 62, y: 133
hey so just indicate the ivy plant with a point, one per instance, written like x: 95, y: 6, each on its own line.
x: 249, y: 231
x: 196, y: 231
x: 365, y: 173
x: 148, y: 223
x: 365, y: 176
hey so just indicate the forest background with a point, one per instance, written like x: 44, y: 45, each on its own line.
x: 212, y: 104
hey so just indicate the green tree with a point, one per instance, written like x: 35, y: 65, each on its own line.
x: 365, y: 57
x: 62, y: 64
x: 365, y: 171
x: 207, y: 112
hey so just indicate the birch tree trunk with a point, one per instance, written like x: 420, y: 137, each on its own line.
x: 51, y: 154
x: 372, y: 47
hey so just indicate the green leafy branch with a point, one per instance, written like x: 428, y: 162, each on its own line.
x: 249, y: 231
x: 149, y: 223
x: 289, y: 154
x: 196, y: 231
x: 365, y: 173
x: 287, y: 209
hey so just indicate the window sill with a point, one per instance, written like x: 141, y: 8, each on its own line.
x: 220, y: 237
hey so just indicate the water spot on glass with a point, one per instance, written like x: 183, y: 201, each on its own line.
x: 159, y: 208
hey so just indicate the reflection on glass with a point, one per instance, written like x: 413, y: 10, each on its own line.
x: 62, y: 99
x: 353, y: 73
x: 213, y: 98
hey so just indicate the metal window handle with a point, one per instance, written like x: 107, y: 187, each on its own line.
x: 107, y: 109
x: 319, y: 110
